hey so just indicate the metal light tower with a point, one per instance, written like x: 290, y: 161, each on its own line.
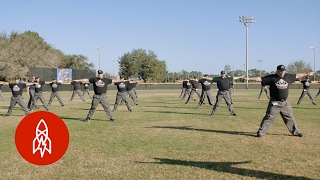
x: 260, y: 61
x: 99, y: 55
x: 247, y: 21
x: 113, y: 66
x: 314, y: 65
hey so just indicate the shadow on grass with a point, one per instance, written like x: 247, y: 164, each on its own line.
x: 82, y: 119
x: 227, y: 167
x: 174, y: 112
x: 205, y: 130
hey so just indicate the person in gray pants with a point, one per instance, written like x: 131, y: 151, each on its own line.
x: 76, y: 90
x: 205, y: 82
x: 100, y: 86
x: 265, y: 89
x: 306, y: 90
x: 86, y: 90
x: 55, y: 91
x: 1, y: 93
x: 122, y: 93
x: 279, y: 84
x: 131, y: 92
x: 38, y: 94
x: 31, y: 90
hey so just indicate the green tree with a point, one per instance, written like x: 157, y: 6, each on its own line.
x: 299, y: 66
x: 75, y: 62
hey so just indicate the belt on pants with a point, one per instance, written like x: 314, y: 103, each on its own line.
x: 16, y: 95
x: 100, y: 94
x: 281, y: 100
x: 224, y: 90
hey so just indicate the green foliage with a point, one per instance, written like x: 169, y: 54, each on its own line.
x: 75, y: 62
x: 299, y: 66
x: 143, y: 65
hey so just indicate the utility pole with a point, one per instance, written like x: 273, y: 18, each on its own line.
x: 260, y: 61
x: 314, y: 65
x: 99, y: 55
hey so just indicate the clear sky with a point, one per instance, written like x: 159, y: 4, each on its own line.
x: 199, y: 35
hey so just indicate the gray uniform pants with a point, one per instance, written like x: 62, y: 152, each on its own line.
x: 318, y: 93
x: 86, y: 91
x: 230, y: 91
x: 205, y: 94
x: 43, y: 101
x: 55, y: 94
x: 226, y: 96
x: 76, y: 92
x: 265, y: 89
x: 304, y: 92
x: 182, y: 92
x: 124, y: 96
x: 135, y: 92
x: 14, y: 100
x: 1, y: 96
x: 186, y: 92
x: 30, y: 102
x: 191, y: 95
x: 133, y: 97
x: 285, y: 110
x: 103, y: 100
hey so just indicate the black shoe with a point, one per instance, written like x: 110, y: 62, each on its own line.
x: 130, y: 110
x: 258, y: 135
x: 211, y: 114
x: 62, y: 105
x: 113, y: 119
x: 234, y: 114
x: 87, y: 120
x: 314, y: 103
x: 6, y: 115
x: 298, y: 103
x: 137, y: 104
x: 299, y: 135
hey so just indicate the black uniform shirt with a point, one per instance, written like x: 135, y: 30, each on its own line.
x: 17, y: 89
x: 195, y: 84
x: 188, y: 85
x: 76, y: 85
x: 55, y: 86
x: 122, y: 86
x: 1, y: 86
x: 222, y: 83
x: 184, y: 84
x: 39, y: 87
x: 206, y: 84
x: 32, y: 87
x: 100, y: 85
x: 131, y: 86
x: 306, y: 84
x: 279, y: 87
x: 86, y: 85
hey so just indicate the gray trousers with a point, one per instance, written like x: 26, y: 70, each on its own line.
x: 285, y: 110
x: 191, y: 95
x: 43, y: 101
x: 133, y: 97
x: 318, y: 93
x: 55, y: 94
x: 205, y: 94
x: 30, y: 102
x: 88, y: 92
x: 304, y: 92
x: 74, y: 93
x: 182, y: 92
x: 135, y: 92
x: 124, y: 96
x: 186, y: 92
x: 14, y: 100
x: 103, y: 100
x: 226, y: 96
x: 1, y: 96
x: 264, y: 88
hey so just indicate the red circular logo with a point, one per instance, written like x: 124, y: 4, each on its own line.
x: 42, y: 138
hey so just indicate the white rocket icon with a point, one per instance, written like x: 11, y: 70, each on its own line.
x: 42, y: 141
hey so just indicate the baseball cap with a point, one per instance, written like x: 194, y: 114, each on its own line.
x: 205, y: 75
x: 17, y: 77
x: 307, y: 77
x: 195, y: 77
x: 121, y: 77
x: 281, y: 67
x: 223, y: 72
x: 100, y: 72
x: 54, y: 79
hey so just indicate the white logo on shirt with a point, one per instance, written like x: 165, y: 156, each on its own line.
x: 16, y: 88
x: 188, y: 84
x: 86, y: 85
x: 54, y: 85
x: 38, y: 86
x: 282, y: 84
x: 100, y: 83
x: 122, y: 85
x: 206, y: 83
x: 307, y: 83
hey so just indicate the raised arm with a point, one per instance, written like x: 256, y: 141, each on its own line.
x: 253, y: 79
x: 86, y: 80
x: 237, y: 77
x: 301, y: 75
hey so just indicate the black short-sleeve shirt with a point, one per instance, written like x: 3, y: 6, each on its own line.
x: 100, y: 85
x: 76, y: 85
x: 86, y: 85
x: 279, y: 86
x: 55, y: 86
x: 195, y: 84
x: 306, y: 84
x: 205, y: 84
x: 38, y: 87
x: 1, y: 86
x: 131, y: 86
x: 122, y: 86
x: 17, y: 89
x: 184, y: 84
x: 188, y: 85
x: 222, y: 83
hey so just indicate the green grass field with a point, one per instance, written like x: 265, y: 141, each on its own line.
x: 165, y: 139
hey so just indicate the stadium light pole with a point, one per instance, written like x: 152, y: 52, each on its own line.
x: 314, y: 61
x: 260, y: 61
x: 99, y: 55
x: 247, y: 21
x: 113, y: 66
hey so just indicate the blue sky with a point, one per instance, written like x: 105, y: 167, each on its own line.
x: 203, y: 35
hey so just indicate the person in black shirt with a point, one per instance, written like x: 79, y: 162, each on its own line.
x: 206, y: 86
x: 100, y: 86
x: 17, y: 89
x: 184, y: 83
x: 134, y: 89
x: 306, y: 90
x: 38, y: 94
x: 122, y: 93
x: 187, y: 89
x: 223, y: 84
x: 195, y: 85
x: 31, y: 90
x: 1, y: 93
x: 231, y: 90
x: 265, y: 89
x: 55, y: 91
x: 131, y: 92
x: 317, y: 93
x: 76, y: 90
x: 86, y: 89
x: 279, y: 84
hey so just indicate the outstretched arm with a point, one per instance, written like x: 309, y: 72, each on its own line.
x: 86, y: 80
x: 253, y: 79
x: 237, y: 77
x: 301, y: 75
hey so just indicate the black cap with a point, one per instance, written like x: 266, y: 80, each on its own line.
x: 205, y: 75
x: 17, y: 77
x: 121, y: 77
x: 223, y: 72
x: 100, y: 72
x: 37, y: 77
x: 54, y: 79
x: 281, y: 67
x: 307, y: 77
x: 195, y: 77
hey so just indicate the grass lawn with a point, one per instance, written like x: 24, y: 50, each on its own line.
x: 165, y: 139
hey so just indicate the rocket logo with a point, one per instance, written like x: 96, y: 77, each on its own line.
x: 42, y: 138
x: 42, y: 141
